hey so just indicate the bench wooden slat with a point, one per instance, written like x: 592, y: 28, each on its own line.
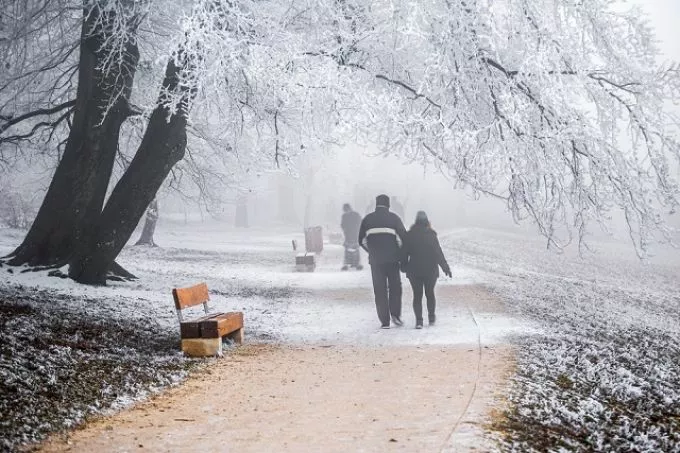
x: 222, y: 325
x: 192, y: 327
x: 191, y: 296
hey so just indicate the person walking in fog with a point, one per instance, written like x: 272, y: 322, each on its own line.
x: 422, y: 258
x: 350, y: 223
x: 381, y: 234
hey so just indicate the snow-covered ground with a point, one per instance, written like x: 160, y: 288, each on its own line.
x: 605, y: 374
x: 597, y: 335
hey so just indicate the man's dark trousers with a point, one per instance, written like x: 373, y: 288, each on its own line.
x: 387, y: 290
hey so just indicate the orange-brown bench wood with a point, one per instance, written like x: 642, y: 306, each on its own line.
x: 202, y: 336
x: 222, y: 325
x: 192, y: 327
x: 188, y: 297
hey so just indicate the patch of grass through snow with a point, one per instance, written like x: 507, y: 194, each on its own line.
x: 597, y: 383
x: 60, y: 363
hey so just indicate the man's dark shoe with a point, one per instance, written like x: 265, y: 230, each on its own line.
x: 419, y: 324
x: 385, y: 326
x: 397, y: 321
x: 344, y: 268
x: 432, y: 319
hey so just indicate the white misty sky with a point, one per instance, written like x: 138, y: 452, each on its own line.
x: 664, y: 15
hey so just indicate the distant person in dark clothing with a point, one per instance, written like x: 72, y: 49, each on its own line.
x: 397, y: 207
x: 350, y: 223
x: 381, y: 235
x: 423, y: 257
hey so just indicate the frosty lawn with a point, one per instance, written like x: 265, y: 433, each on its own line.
x: 61, y: 361
x: 605, y: 375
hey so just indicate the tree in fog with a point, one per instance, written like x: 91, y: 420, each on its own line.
x: 105, y: 71
x: 149, y: 228
x: 73, y: 226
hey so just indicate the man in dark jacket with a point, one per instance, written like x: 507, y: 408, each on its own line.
x: 381, y: 235
x: 350, y: 223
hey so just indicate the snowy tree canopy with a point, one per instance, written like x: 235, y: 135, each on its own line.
x: 559, y: 107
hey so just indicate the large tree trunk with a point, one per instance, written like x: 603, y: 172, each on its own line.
x: 162, y: 147
x: 78, y: 188
x: 149, y: 225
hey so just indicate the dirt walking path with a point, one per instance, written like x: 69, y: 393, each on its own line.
x: 330, y: 398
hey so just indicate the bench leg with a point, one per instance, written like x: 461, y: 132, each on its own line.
x: 202, y: 347
x: 237, y: 336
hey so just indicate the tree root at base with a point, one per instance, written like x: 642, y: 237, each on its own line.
x: 116, y: 273
x: 119, y: 273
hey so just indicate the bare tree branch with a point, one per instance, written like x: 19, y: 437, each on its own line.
x: 11, y: 121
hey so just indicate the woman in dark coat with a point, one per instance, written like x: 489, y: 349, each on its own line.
x: 422, y: 259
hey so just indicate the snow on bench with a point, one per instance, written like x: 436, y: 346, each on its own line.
x: 202, y: 336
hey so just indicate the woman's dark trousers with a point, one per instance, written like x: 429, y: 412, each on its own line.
x: 426, y: 285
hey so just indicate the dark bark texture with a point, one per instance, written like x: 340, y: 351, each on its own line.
x: 163, y: 145
x: 78, y: 188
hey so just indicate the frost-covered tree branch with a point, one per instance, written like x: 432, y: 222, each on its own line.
x: 558, y: 108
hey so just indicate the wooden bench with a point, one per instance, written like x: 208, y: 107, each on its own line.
x: 304, y: 262
x: 203, y: 336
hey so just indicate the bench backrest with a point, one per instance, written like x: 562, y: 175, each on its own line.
x: 191, y: 296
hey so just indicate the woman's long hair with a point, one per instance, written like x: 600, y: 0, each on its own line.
x: 421, y: 221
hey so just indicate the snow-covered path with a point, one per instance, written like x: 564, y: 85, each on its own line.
x: 431, y: 382
x: 337, y: 308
